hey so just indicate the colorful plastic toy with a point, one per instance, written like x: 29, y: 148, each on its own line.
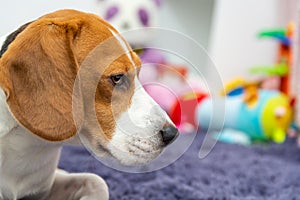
x: 254, y: 115
x: 182, y: 112
x: 283, y: 65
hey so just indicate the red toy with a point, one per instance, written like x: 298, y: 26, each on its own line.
x: 182, y: 112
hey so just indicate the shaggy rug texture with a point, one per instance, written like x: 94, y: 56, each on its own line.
x: 228, y: 172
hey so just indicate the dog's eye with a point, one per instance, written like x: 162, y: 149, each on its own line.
x: 117, y: 79
x: 120, y: 81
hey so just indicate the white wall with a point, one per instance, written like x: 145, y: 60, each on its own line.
x: 191, y: 18
x: 14, y: 13
x: 234, y: 46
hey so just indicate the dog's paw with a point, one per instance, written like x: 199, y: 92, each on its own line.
x: 96, y: 187
x: 60, y: 171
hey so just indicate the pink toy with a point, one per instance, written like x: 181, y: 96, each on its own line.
x: 167, y: 84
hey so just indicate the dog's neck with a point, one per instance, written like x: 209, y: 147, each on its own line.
x: 25, y: 159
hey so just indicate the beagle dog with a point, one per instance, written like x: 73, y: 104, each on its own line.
x: 41, y: 65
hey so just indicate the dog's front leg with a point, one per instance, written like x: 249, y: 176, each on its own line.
x: 82, y: 186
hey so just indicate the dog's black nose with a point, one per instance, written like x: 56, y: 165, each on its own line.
x: 169, y: 133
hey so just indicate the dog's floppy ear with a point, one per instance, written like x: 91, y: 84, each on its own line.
x: 37, y: 73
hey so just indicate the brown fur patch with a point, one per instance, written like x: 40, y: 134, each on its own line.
x: 39, y: 69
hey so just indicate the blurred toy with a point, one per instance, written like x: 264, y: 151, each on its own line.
x: 283, y: 76
x: 272, y: 76
x: 166, y: 86
x: 178, y: 94
x: 132, y: 15
x: 182, y: 111
x: 283, y: 65
x: 252, y: 115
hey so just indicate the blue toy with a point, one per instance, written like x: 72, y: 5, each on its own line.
x: 253, y: 115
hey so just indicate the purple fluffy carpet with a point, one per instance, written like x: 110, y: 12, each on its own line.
x: 228, y: 172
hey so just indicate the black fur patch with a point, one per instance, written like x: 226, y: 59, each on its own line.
x: 11, y: 37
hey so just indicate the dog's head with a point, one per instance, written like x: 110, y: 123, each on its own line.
x: 39, y: 68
